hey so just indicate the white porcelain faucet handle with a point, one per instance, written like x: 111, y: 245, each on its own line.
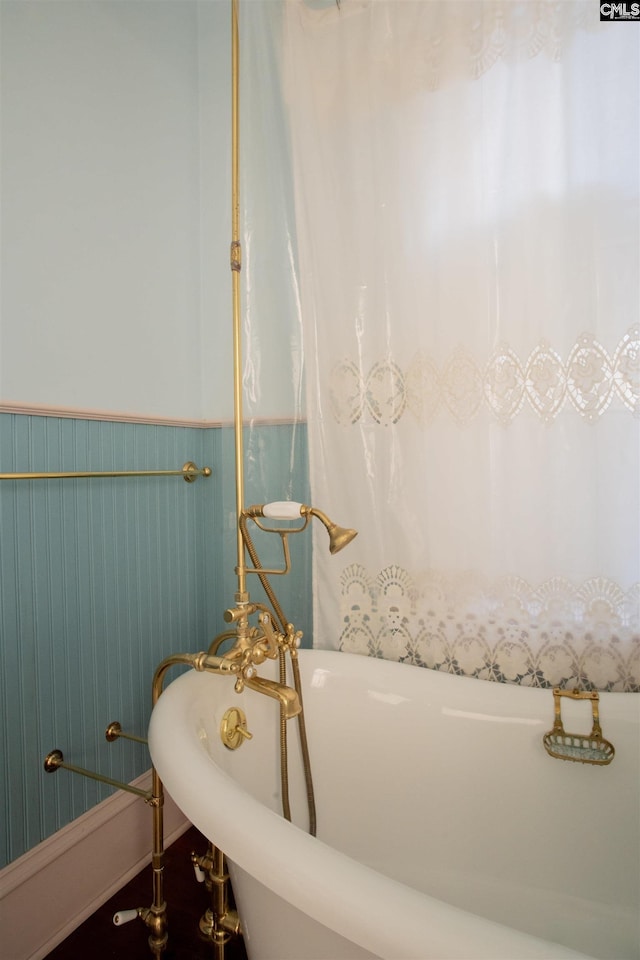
x: 282, y: 510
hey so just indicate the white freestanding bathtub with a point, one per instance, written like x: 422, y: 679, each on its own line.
x: 444, y: 828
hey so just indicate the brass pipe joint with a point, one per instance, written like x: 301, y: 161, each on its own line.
x: 220, y: 922
x: 203, y: 662
x: 253, y: 645
x: 155, y: 920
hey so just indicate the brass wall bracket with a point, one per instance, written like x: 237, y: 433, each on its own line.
x: 114, y: 732
x: 580, y: 748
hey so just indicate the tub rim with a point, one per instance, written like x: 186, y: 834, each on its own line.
x: 310, y: 888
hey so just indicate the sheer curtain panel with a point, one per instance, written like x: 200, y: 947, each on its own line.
x: 466, y: 188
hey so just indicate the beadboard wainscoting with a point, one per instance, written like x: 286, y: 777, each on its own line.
x: 101, y: 578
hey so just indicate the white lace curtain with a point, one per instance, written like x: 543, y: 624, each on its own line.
x: 466, y: 183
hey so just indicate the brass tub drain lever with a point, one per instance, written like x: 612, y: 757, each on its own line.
x: 233, y: 728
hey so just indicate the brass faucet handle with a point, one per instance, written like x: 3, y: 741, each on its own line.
x: 272, y: 637
x: 199, y: 866
x: 247, y: 672
x: 293, y: 638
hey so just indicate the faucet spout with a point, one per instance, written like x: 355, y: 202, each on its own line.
x: 286, y: 696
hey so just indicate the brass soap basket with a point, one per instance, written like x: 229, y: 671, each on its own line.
x: 591, y: 748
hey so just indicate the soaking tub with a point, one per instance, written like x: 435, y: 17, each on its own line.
x: 444, y: 827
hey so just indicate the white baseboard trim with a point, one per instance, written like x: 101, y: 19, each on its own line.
x: 48, y: 892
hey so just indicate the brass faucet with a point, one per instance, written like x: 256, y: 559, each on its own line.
x: 286, y: 696
x: 255, y: 644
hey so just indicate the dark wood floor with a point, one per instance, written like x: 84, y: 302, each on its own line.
x: 187, y: 900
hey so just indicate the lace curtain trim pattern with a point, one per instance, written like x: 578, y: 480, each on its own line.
x: 587, y: 381
x: 504, y: 30
x: 554, y: 634
x: 466, y: 187
x: 459, y: 41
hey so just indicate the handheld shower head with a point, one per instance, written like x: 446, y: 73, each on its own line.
x: 339, y: 537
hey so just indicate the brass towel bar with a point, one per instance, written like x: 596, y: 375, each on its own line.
x: 188, y: 472
x: 55, y: 760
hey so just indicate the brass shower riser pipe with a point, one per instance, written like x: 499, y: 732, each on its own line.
x: 189, y: 472
x: 236, y: 311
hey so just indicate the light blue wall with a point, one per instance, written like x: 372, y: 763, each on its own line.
x: 115, y: 123
x: 101, y: 205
